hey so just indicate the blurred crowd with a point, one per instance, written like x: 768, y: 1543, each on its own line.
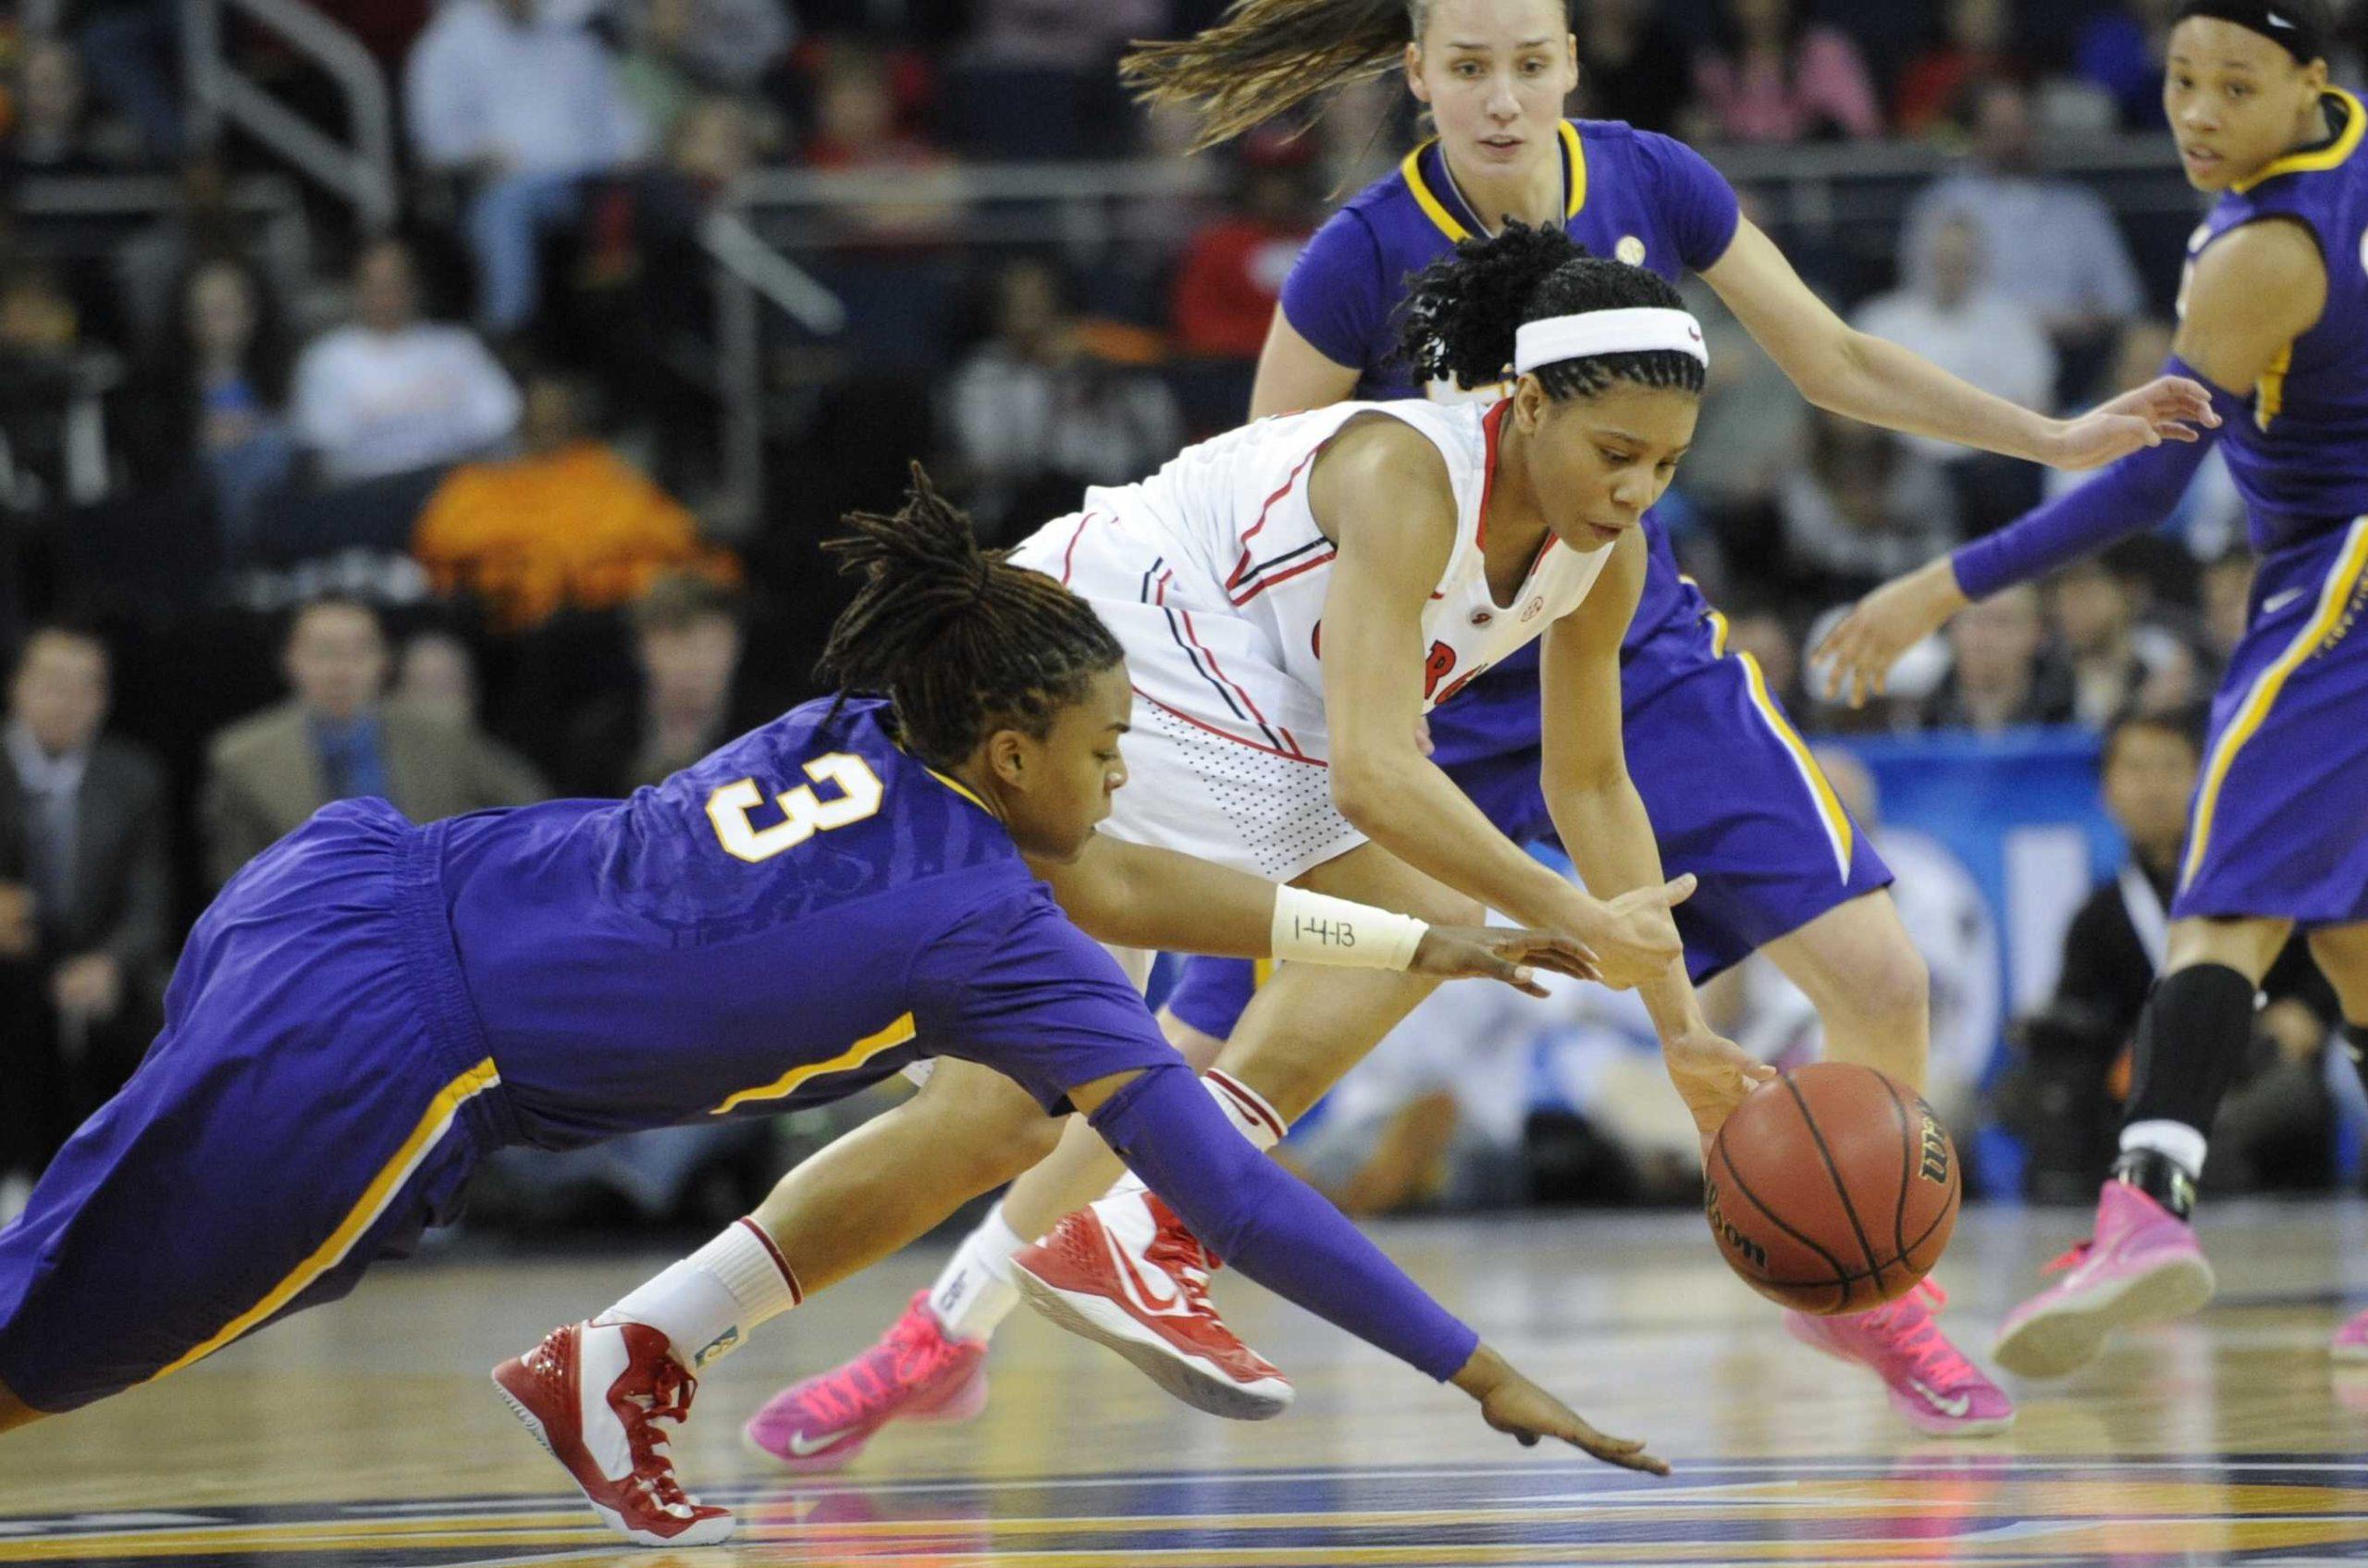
x: 430, y: 511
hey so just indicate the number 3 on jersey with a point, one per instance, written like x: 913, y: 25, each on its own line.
x: 804, y: 813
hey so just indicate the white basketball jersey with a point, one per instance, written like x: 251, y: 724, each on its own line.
x: 1235, y: 509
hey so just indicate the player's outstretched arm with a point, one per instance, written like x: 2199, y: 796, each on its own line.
x: 1274, y: 1228
x: 2252, y: 293
x: 1136, y: 895
x: 1600, y: 817
x: 1849, y: 372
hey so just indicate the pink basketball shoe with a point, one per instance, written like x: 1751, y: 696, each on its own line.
x: 1933, y: 1386
x: 917, y: 1371
x: 2141, y: 1267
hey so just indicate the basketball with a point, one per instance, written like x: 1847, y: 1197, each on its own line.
x: 1833, y: 1189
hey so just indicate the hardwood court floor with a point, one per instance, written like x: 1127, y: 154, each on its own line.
x: 365, y: 1433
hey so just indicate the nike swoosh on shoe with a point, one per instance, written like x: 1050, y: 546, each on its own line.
x: 1947, y: 1405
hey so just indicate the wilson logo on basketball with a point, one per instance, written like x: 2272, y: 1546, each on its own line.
x: 1751, y: 1252
x: 1935, y: 1166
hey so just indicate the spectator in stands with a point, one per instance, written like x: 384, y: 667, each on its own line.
x: 2049, y: 244
x: 2003, y: 674
x: 524, y: 105
x: 1078, y: 35
x: 42, y: 372
x: 1976, y: 44
x: 1231, y: 278
x: 1865, y: 507
x: 202, y: 226
x: 2121, y: 51
x: 1632, y: 65
x: 84, y: 814
x: 131, y: 49
x: 1035, y: 416
x: 1950, y: 311
x: 46, y: 135
x: 859, y: 125
x: 2064, y: 1094
x: 220, y: 396
x: 2227, y: 592
x: 656, y: 70
x: 391, y: 393
x: 1774, y: 75
x: 687, y: 642
x: 566, y: 523
x: 2114, y: 658
x: 335, y: 739
x: 700, y: 45
x: 436, y: 676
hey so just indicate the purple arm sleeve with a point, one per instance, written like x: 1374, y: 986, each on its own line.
x: 1335, y: 297
x: 1692, y: 198
x: 1270, y: 1225
x: 2132, y: 496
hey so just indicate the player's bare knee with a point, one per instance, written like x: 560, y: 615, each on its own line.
x: 2341, y: 952
x: 1896, y: 986
x: 2249, y: 946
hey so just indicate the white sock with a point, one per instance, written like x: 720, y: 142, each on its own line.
x: 974, y: 1293
x: 2176, y: 1140
x: 708, y: 1303
x: 1242, y: 1106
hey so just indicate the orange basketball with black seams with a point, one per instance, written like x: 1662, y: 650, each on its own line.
x: 1833, y: 1189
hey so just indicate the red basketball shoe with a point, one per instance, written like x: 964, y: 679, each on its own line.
x: 1126, y: 1273
x: 592, y: 1394
x: 917, y: 1371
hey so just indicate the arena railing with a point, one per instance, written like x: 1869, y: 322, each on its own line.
x: 1818, y: 188
x: 360, y: 170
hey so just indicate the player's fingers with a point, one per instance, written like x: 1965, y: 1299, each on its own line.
x: 1679, y: 888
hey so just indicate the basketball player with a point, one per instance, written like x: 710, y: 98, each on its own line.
x: 1734, y: 798
x: 369, y: 1007
x: 2275, y: 322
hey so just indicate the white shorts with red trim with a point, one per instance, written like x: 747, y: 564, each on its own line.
x: 1227, y: 757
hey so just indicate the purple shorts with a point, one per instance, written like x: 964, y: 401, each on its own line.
x: 1731, y: 790
x: 2280, y: 824
x: 316, y: 1100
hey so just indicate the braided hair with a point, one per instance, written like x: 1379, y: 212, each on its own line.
x: 1463, y: 313
x: 962, y: 642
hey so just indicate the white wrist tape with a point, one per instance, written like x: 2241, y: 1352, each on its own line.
x: 1312, y: 928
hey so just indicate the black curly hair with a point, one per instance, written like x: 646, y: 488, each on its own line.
x: 960, y: 640
x: 1463, y: 312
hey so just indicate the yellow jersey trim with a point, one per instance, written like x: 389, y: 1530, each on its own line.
x: 1578, y: 164
x: 958, y: 787
x: 2269, y: 393
x: 2335, y: 594
x: 2317, y: 159
x: 1839, y: 832
x: 434, y: 1123
x: 1446, y: 223
x: 896, y: 1034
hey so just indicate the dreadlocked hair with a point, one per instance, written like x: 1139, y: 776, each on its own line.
x: 1463, y: 313
x: 962, y: 642
x: 1268, y: 57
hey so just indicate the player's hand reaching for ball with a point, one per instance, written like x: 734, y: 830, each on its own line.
x: 1712, y: 1077
x: 1632, y: 937
x: 1511, y: 1403
x: 2166, y: 409
x: 1493, y: 953
x: 1859, y: 653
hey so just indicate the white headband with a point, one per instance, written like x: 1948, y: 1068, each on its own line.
x: 1637, y: 332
